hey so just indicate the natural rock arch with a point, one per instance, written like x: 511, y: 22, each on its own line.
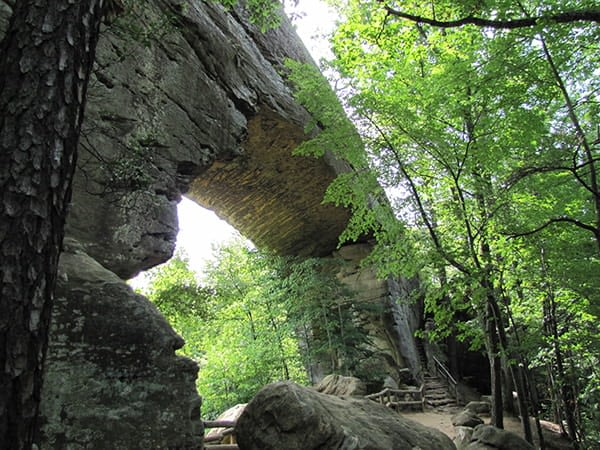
x: 203, y: 110
x: 271, y: 197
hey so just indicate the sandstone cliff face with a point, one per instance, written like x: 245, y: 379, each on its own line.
x: 112, y: 380
x: 203, y: 105
x: 392, y: 325
x: 193, y: 103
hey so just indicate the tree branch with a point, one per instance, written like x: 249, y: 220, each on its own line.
x: 575, y: 222
x: 525, y: 172
x: 416, y: 196
x: 585, y: 15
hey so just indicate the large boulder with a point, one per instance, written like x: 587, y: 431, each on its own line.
x: 113, y: 379
x: 341, y: 386
x: 479, y: 407
x: 466, y: 418
x: 488, y: 437
x: 287, y: 416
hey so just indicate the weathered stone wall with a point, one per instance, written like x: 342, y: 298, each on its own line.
x: 112, y: 379
x: 203, y: 107
x: 391, y: 327
x: 404, y: 319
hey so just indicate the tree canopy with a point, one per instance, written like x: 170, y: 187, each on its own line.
x: 484, y: 137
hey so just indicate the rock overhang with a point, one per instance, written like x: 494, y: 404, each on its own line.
x: 273, y: 198
x: 210, y: 106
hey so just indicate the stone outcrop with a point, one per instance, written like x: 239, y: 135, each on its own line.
x: 479, y: 407
x: 112, y: 377
x: 392, y: 322
x: 466, y: 418
x: 488, y: 437
x: 341, y: 386
x: 287, y: 416
x: 201, y: 110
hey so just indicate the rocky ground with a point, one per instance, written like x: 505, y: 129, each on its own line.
x: 441, y: 420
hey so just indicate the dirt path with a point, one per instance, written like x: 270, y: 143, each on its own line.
x: 441, y: 420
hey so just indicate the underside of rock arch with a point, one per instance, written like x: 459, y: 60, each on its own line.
x: 273, y: 198
x: 200, y: 108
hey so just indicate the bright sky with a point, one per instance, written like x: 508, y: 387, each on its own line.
x: 317, y: 20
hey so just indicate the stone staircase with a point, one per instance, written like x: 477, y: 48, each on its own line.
x: 437, y: 394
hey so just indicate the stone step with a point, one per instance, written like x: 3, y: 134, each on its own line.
x: 436, y: 389
x: 437, y: 395
x: 435, y: 386
x: 441, y: 402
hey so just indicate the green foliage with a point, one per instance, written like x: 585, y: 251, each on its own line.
x: 236, y: 333
x: 266, y: 14
x: 325, y: 314
x: 133, y: 167
x: 174, y: 288
x: 256, y: 318
x: 486, y: 144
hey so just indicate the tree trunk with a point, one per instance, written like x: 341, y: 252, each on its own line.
x: 497, y: 418
x: 535, y: 404
x: 529, y: 385
x: 522, y: 399
x: 45, y: 60
x: 513, y: 371
x: 509, y: 387
x: 567, y: 397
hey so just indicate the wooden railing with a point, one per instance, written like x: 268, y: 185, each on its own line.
x: 214, y: 442
x: 397, y: 398
x: 444, y: 373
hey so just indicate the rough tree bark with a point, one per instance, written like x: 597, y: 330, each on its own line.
x: 45, y: 63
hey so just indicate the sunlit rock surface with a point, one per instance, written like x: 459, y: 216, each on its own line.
x: 291, y: 417
x: 201, y: 108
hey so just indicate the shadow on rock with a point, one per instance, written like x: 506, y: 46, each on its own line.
x: 287, y: 416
